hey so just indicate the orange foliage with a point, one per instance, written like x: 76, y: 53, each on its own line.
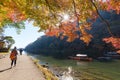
x: 83, y: 9
x: 65, y: 29
x: 114, y: 41
x: 12, y: 12
x: 111, y: 5
x: 70, y: 29
x: 52, y: 31
x: 15, y: 16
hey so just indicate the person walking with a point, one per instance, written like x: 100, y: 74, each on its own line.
x: 21, y: 50
x: 13, y: 56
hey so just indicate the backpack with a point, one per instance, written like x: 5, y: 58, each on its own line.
x: 12, y: 56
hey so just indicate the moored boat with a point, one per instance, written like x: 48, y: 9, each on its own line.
x: 81, y: 57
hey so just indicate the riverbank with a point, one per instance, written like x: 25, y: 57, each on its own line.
x: 48, y: 74
x: 24, y: 70
x: 94, y: 70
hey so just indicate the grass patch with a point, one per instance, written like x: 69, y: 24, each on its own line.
x: 48, y: 74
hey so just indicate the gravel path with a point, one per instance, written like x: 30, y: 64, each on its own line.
x: 24, y: 70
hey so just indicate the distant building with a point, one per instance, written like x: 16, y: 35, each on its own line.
x: 2, y: 44
x: 3, y: 47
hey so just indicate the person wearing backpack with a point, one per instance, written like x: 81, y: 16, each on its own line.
x: 13, y: 56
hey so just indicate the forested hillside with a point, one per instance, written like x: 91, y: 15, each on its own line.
x: 52, y: 46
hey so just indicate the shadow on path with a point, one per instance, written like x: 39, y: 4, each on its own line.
x: 5, y: 69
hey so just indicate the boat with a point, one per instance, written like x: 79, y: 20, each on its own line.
x: 81, y: 57
x: 113, y: 55
x: 104, y: 59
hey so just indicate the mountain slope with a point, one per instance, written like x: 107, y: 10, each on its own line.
x: 52, y: 46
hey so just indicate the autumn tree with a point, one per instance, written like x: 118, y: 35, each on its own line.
x: 49, y: 15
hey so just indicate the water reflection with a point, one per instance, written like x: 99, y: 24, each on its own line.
x: 60, y: 68
x: 80, y: 63
x: 67, y: 74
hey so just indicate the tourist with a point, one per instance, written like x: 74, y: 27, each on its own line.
x: 13, y: 56
x: 20, y: 50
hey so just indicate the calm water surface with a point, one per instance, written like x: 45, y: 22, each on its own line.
x: 84, y: 70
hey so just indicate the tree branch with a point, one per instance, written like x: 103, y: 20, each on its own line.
x: 106, y: 22
x: 50, y: 8
x: 74, y: 6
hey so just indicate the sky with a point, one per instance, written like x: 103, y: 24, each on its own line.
x: 27, y: 35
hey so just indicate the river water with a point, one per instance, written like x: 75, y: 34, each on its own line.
x: 79, y: 70
x: 61, y: 68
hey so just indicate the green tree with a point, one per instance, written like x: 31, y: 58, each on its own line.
x: 8, y: 40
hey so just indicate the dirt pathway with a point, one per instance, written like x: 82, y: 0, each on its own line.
x: 24, y: 70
